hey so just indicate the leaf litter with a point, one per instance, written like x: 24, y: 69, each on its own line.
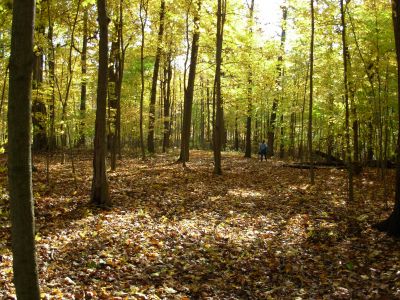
x: 260, y: 231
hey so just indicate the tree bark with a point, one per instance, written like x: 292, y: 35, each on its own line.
x: 219, y: 121
x: 346, y: 100
x: 153, y: 95
x: 310, y: 108
x: 143, y: 21
x: 39, y: 113
x: 271, y: 130
x: 113, y: 71
x: 167, y: 102
x: 392, y: 224
x: 100, y: 193
x: 249, y: 87
x: 189, y: 91
x: 82, y: 137
x: 19, y: 154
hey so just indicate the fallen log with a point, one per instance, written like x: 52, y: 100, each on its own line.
x: 315, y: 166
x: 329, y: 158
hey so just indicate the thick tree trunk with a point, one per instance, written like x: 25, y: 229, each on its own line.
x: 100, y: 193
x: 219, y: 121
x: 19, y: 152
x: 392, y: 224
x: 153, y: 95
x: 189, y: 91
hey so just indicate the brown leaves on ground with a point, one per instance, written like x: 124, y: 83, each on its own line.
x: 260, y: 231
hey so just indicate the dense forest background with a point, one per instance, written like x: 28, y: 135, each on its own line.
x: 265, y: 76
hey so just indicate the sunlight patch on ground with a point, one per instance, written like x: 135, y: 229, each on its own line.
x: 245, y: 193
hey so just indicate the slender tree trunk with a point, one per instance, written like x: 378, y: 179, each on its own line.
x: 3, y: 89
x: 19, y: 152
x: 219, y: 121
x: 100, y: 193
x: 202, y: 118
x: 346, y: 99
x: 353, y: 111
x: 301, y: 144
x: 112, y: 102
x: 271, y: 131
x: 392, y: 224
x: 143, y: 20
x: 189, y: 91
x: 153, y: 95
x: 39, y: 113
x: 310, y: 108
x: 209, y: 134
x: 120, y: 69
x: 70, y: 70
x: 82, y: 138
x: 167, y: 104
x: 52, y: 76
x: 236, y: 142
x: 116, y: 72
x: 249, y: 87
x: 282, y: 140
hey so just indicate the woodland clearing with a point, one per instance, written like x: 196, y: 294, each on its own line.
x: 259, y: 231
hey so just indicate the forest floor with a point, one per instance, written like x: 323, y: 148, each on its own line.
x: 260, y: 231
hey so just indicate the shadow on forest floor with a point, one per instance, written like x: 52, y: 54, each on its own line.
x: 259, y: 231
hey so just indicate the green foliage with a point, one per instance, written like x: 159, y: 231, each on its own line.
x: 371, y: 50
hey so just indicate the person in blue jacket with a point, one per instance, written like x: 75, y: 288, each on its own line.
x: 262, y: 150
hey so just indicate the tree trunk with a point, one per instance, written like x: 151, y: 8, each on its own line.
x: 301, y: 144
x: 249, y: 87
x: 272, y: 121
x: 113, y: 71
x: 51, y: 65
x: 236, y: 137
x: 282, y: 140
x: 153, y: 95
x: 219, y: 125
x: 167, y: 103
x: 143, y: 21
x: 310, y: 108
x: 392, y: 224
x: 209, y: 134
x: 202, y: 117
x: 189, y: 91
x: 346, y: 100
x: 100, y: 193
x: 19, y: 152
x: 39, y: 113
x: 82, y: 138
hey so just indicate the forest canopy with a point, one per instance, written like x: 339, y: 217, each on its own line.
x: 66, y: 45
